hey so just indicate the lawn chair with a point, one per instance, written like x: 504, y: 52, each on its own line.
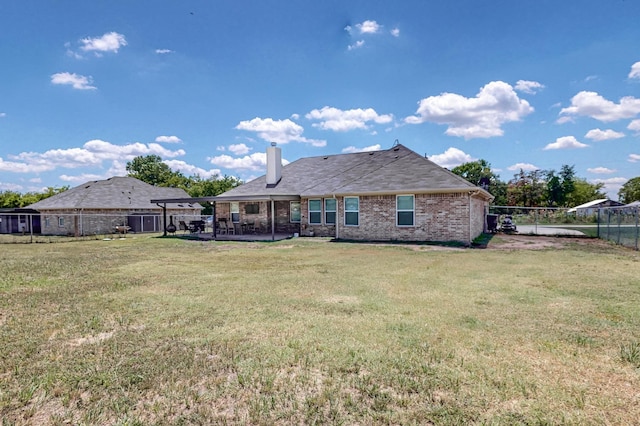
x: 226, y: 227
x: 182, y: 225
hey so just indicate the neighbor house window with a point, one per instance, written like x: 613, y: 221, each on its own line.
x: 405, y: 210
x: 235, y: 212
x: 46, y: 222
x: 294, y: 211
x: 61, y: 221
x: 315, y: 212
x: 351, y: 211
x: 330, y: 211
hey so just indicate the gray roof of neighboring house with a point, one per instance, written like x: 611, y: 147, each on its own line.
x: 391, y: 171
x: 114, y: 193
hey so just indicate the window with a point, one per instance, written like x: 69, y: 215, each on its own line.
x: 351, y: 211
x: 253, y: 208
x: 235, y: 212
x: 315, y: 212
x: 294, y: 211
x: 330, y: 211
x: 404, y: 210
x: 61, y: 221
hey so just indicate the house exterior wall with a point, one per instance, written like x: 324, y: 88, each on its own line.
x: 99, y: 221
x: 437, y: 217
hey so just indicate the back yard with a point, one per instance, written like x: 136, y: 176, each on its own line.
x: 531, y: 330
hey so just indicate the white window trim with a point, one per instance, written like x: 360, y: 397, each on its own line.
x: 351, y: 211
x: 61, y: 221
x: 233, y: 211
x: 315, y: 211
x: 413, y: 211
x: 335, y: 211
x: 291, y: 216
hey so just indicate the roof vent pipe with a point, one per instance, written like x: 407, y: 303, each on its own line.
x: 274, y: 164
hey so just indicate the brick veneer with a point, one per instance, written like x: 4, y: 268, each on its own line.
x: 438, y: 217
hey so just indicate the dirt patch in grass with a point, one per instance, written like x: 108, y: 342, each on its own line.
x: 535, y: 242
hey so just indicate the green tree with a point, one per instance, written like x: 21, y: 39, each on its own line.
x: 583, y: 192
x: 559, y: 186
x: 211, y: 187
x: 10, y: 199
x: 152, y: 170
x: 526, y: 189
x: 630, y: 191
x: 478, y: 173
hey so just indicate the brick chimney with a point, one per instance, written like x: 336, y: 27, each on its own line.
x: 274, y: 164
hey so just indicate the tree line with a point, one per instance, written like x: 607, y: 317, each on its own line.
x: 537, y: 188
x: 541, y: 188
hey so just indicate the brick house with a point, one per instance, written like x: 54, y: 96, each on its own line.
x: 389, y: 195
x: 97, y: 207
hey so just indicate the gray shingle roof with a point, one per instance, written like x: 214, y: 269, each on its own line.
x: 391, y: 171
x: 113, y: 193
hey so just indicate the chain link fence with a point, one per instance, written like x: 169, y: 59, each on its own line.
x: 616, y: 224
x: 620, y: 225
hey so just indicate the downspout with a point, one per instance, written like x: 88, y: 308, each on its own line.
x: 470, y: 219
x: 164, y: 217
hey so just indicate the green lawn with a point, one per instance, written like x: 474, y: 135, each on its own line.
x: 305, y: 331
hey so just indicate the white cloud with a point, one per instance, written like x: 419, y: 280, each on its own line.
x: 5, y: 186
x: 634, y: 158
x: 256, y: 161
x: 357, y: 45
x: 191, y: 170
x: 527, y: 167
x: 591, y: 104
x: 603, y: 135
x: 221, y: 148
x: 342, y: 121
x: 530, y: 87
x: 3, y: 114
x: 635, y: 70
x: 601, y: 170
x: 279, y: 131
x: 163, y: 51
x: 451, y: 158
x: 81, y: 178
x: 108, y: 42
x: 368, y: 27
x: 79, y: 82
x: 92, y: 154
x: 634, y: 125
x: 611, y: 185
x: 168, y: 139
x: 565, y: 142
x: 481, y: 117
x: 352, y: 149
x: 239, y: 149
x: 395, y: 32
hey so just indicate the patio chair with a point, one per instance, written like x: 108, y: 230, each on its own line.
x: 182, y: 225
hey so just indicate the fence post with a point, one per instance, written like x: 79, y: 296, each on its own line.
x: 637, y: 226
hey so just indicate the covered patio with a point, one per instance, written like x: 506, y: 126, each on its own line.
x: 251, y: 218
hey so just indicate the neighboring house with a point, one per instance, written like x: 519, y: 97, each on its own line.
x: 97, y: 207
x: 390, y: 195
x: 590, y: 208
x: 19, y: 221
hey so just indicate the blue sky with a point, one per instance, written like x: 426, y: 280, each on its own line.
x: 85, y: 86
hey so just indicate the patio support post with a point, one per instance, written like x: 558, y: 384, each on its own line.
x: 273, y: 220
